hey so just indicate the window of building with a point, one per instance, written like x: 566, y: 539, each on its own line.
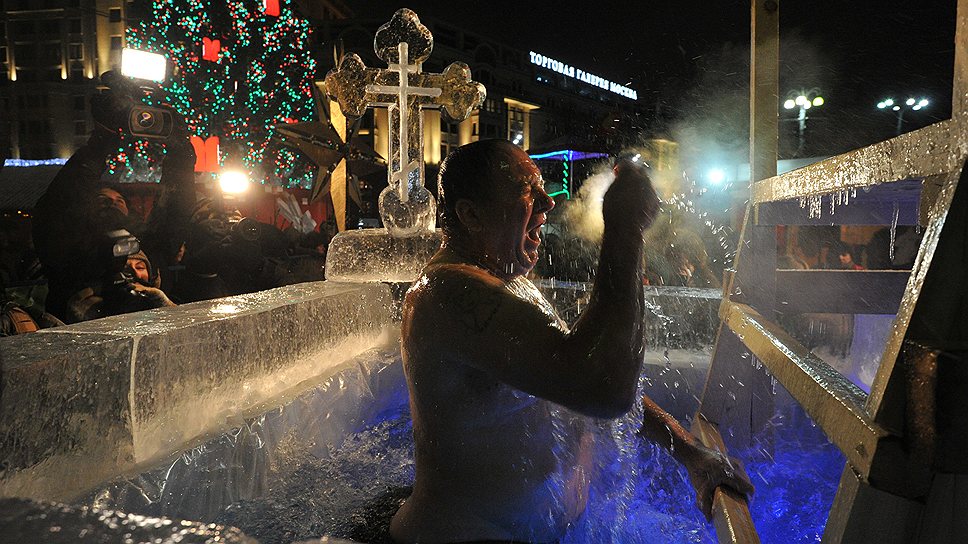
x: 49, y: 27
x: 74, y: 26
x: 116, y: 43
x: 75, y: 51
x: 50, y: 53
x: 114, y: 15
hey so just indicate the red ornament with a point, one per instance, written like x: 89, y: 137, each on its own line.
x: 206, y: 153
x: 271, y: 7
x: 211, y: 49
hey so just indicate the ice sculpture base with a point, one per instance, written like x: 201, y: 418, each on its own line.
x: 87, y: 402
x: 372, y: 255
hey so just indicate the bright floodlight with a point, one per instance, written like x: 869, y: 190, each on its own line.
x: 789, y: 104
x: 889, y: 102
x: 716, y: 176
x: 896, y: 108
x: 143, y: 65
x: 233, y: 182
x: 801, y: 100
x: 818, y: 101
x: 923, y: 102
x: 881, y: 105
x: 806, y: 105
x: 916, y: 107
x: 910, y: 102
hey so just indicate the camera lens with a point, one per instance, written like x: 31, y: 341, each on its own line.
x: 146, y: 119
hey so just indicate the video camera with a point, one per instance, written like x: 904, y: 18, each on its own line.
x: 116, y: 247
x: 143, y: 121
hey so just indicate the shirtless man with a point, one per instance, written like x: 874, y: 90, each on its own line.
x: 500, y: 388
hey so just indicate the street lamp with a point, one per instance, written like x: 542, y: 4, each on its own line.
x: 898, y: 109
x: 803, y: 101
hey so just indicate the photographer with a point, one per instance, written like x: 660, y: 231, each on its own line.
x: 85, y: 237
x: 229, y: 254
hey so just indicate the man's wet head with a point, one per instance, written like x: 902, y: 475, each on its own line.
x: 493, y: 205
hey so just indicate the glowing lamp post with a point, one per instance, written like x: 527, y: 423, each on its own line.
x: 899, y: 109
x: 803, y: 100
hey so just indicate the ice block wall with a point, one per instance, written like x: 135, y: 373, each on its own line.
x: 85, y: 403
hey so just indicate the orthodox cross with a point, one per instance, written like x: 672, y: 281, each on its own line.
x: 404, y: 44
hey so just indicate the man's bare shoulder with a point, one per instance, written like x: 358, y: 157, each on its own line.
x: 463, y: 292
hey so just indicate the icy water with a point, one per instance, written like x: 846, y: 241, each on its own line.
x: 641, y: 495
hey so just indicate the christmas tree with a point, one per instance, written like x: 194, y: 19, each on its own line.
x: 237, y: 68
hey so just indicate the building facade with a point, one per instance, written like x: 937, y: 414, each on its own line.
x: 535, y: 102
x: 52, y: 52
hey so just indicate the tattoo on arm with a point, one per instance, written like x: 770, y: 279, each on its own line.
x: 477, y: 308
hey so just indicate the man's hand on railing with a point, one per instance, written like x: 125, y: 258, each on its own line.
x: 709, y: 469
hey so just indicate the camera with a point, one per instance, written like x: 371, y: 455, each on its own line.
x: 143, y: 121
x: 150, y: 123
x: 246, y: 228
x: 116, y: 247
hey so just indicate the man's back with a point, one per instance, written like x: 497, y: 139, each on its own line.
x: 488, y: 456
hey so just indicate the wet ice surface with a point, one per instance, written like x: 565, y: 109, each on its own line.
x: 640, y: 494
x: 370, y: 255
x: 26, y: 521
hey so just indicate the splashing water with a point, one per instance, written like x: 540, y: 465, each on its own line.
x: 639, y: 493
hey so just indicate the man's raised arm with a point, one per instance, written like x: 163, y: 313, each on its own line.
x: 594, y: 368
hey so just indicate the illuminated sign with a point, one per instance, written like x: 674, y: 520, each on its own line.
x: 581, y: 75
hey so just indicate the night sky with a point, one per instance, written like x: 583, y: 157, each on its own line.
x: 689, y: 59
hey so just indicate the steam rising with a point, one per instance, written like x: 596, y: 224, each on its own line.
x: 583, y: 215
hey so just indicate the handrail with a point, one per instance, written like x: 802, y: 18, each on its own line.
x: 831, y: 400
x: 731, y: 513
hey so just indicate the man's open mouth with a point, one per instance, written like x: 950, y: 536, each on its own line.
x: 534, y: 235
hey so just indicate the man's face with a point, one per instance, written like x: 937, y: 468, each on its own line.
x: 109, y: 198
x: 139, y: 269
x: 845, y: 259
x: 512, y: 220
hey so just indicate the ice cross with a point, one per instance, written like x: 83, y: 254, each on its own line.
x: 404, y: 44
x: 403, y: 91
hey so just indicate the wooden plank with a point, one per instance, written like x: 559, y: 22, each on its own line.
x: 840, y: 291
x: 930, y: 151
x: 726, y: 399
x: 830, y: 399
x: 861, y: 514
x: 886, y: 399
x: 764, y: 82
x: 731, y: 512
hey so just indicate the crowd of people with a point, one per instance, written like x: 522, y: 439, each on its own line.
x: 98, y: 257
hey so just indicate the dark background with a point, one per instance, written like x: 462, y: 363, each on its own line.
x: 689, y: 59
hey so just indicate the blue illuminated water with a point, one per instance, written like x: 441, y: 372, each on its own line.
x: 641, y: 494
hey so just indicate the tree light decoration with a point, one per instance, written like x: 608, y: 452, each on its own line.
x: 263, y: 71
